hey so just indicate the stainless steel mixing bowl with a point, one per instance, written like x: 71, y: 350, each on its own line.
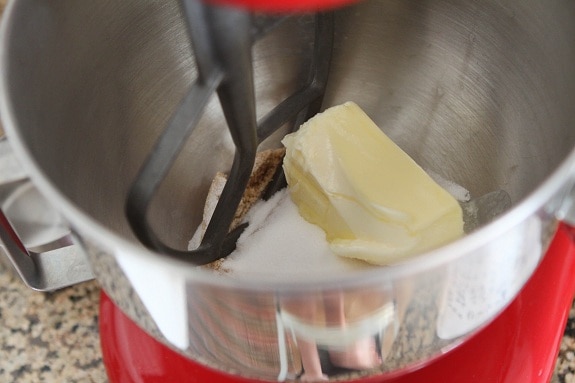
x: 480, y: 92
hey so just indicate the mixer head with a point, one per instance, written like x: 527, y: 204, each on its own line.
x: 222, y: 39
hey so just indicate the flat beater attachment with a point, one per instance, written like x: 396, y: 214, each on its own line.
x: 222, y: 39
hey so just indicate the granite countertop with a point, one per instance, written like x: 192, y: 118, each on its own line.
x: 53, y: 337
x: 49, y: 337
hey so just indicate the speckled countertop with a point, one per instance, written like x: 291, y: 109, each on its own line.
x: 49, y: 337
x: 53, y: 337
x: 565, y: 367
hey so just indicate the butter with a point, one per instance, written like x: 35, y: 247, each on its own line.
x: 371, y: 199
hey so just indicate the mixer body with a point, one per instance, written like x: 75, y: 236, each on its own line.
x: 478, y: 92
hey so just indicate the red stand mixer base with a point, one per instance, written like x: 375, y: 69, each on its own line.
x: 520, y: 345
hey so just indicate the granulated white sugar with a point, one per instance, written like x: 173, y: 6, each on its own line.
x: 279, y: 243
x: 457, y: 191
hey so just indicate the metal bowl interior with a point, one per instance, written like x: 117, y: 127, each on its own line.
x: 476, y: 93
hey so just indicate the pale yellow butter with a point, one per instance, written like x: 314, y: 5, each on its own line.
x: 371, y: 199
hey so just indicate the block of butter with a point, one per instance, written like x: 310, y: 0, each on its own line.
x: 371, y: 199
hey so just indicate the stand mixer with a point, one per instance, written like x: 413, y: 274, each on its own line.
x: 121, y: 133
